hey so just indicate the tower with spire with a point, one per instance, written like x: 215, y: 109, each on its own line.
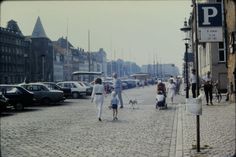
x: 38, y: 31
x: 42, y: 54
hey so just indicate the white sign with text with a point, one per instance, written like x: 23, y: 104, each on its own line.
x: 211, y: 34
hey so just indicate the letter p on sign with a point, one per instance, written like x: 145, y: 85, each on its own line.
x: 209, y: 15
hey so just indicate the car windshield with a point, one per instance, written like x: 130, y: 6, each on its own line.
x: 81, y: 84
x: 87, y: 84
x: 13, y: 90
x: 51, y: 86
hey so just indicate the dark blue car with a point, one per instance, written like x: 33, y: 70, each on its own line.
x: 17, y: 96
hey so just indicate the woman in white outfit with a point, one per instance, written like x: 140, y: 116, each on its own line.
x: 98, y: 96
x: 171, y: 90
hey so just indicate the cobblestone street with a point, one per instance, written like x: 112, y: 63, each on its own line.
x: 72, y: 130
x: 217, y: 131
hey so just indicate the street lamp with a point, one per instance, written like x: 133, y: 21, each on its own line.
x: 43, y: 68
x: 186, y: 29
x: 25, y: 67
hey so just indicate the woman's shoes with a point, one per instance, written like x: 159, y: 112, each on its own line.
x: 100, y: 119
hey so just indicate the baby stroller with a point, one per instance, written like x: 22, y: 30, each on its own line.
x: 161, y: 96
x: 160, y: 101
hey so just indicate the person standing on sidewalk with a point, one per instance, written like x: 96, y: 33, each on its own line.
x: 118, y: 88
x: 207, y: 82
x: 98, y: 96
x: 193, y: 82
x: 171, y: 90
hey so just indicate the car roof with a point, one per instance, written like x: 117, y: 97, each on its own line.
x: 9, y: 85
x: 34, y: 83
x: 69, y: 82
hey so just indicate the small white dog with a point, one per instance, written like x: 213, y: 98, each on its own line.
x: 133, y: 102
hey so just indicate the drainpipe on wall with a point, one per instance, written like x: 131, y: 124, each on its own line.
x: 225, y: 35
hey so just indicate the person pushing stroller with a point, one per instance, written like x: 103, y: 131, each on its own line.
x: 161, y: 95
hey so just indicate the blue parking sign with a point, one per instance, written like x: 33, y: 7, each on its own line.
x: 209, y: 15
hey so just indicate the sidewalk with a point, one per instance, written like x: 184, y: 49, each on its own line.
x: 217, y: 131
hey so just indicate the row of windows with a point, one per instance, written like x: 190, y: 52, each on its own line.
x: 11, y: 68
x: 12, y: 40
x: 12, y: 59
x: 12, y: 50
x: 11, y: 79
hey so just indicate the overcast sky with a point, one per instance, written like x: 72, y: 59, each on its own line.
x: 139, y: 31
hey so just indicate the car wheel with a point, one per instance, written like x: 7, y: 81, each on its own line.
x: 45, y: 101
x: 19, y: 106
x: 75, y: 95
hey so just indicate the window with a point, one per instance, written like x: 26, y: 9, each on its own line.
x: 221, y: 52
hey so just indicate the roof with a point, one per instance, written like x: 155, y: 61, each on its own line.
x: 12, y: 25
x: 86, y: 73
x: 140, y: 75
x: 38, y: 31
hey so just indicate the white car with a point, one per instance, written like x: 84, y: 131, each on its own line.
x: 77, y: 88
x: 89, y: 87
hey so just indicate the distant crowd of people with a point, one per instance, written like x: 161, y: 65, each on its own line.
x: 164, y: 90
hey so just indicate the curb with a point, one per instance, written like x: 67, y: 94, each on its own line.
x: 179, y: 137
x: 174, y: 135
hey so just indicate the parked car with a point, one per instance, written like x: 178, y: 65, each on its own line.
x: 3, y: 102
x: 77, y: 88
x: 54, y: 86
x: 124, y: 85
x: 17, y: 96
x: 43, y: 94
x: 89, y: 87
x: 130, y: 83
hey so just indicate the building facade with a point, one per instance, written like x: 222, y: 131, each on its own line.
x: 14, y: 53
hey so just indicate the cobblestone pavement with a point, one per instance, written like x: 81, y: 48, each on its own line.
x: 72, y: 130
x: 217, y: 131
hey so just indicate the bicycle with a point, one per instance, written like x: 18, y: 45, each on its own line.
x: 218, y: 95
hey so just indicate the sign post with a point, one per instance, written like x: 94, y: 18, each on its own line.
x: 208, y: 28
x: 210, y: 22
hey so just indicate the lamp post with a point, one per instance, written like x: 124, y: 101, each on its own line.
x: 43, y: 68
x: 25, y: 67
x: 186, y: 29
x: 186, y: 70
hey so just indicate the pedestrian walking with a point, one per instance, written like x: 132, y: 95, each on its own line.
x: 178, y: 84
x: 193, y: 82
x: 207, y: 84
x: 114, y: 105
x: 118, y: 88
x: 98, y: 96
x: 171, y: 90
